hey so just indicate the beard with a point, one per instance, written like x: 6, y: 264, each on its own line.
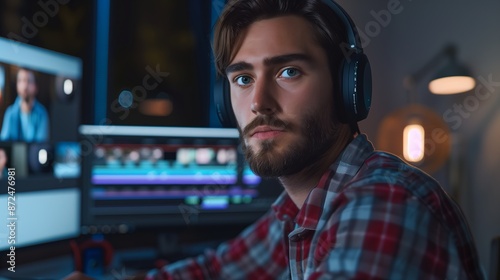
x: 26, y: 97
x: 318, y: 132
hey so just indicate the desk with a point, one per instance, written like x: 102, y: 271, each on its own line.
x: 59, y: 267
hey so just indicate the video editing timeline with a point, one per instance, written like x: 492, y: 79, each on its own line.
x: 136, y: 177
x: 195, y: 174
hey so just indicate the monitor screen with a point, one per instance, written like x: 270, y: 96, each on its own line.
x: 39, y: 110
x: 39, y: 217
x: 38, y: 87
x: 167, y: 176
x: 159, y: 62
x: 39, y: 150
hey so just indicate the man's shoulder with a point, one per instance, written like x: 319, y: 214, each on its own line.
x: 386, y: 170
x: 385, y: 166
x: 11, y: 111
x: 383, y: 175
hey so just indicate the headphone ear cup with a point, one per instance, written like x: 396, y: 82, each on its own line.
x: 356, y: 89
x: 223, y: 105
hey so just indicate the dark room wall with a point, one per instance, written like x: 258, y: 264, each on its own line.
x: 400, y: 45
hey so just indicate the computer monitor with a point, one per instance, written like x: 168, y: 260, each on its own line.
x: 39, y: 150
x: 141, y: 177
x: 158, y: 63
x: 39, y: 217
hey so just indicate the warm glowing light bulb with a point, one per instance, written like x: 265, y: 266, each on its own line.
x: 413, y: 142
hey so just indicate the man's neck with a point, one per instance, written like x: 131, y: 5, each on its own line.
x: 26, y: 106
x: 299, y: 185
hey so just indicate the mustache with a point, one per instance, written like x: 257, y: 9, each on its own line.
x: 266, y: 120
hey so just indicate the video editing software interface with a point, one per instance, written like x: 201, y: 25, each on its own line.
x: 168, y: 176
x: 39, y: 152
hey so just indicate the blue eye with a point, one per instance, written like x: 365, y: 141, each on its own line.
x: 290, y: 73
x: 243, y: 80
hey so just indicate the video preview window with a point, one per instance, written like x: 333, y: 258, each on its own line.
x: 25, y: 105
x: 39, y: 110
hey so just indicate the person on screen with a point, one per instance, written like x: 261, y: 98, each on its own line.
x: 2, y: 82
x: 347, y: 211
x: 27, y: 119
x: 3, y: 163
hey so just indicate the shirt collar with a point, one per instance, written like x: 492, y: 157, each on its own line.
x: 341, y: 171
x: 285, y: 208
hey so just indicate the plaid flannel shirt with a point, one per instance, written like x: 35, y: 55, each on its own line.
x: 371, y: 216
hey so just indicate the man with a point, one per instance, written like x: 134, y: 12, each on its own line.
x: 3, y: 163
x: 347, y: 212
x: 2, y: 82
x: 26, y: 120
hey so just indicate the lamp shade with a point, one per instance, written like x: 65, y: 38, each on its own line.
x: 452, y: 79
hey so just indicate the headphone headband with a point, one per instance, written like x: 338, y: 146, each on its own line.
x: 352, y: 32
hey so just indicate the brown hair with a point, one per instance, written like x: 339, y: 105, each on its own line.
x: 35, y: 74
x: 239, y: 14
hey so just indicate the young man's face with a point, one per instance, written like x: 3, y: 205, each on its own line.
x: 281, y: 93
x: 3, y: 159
x: 26, y: 85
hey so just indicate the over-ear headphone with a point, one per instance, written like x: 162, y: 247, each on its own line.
x: 353, y: 101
